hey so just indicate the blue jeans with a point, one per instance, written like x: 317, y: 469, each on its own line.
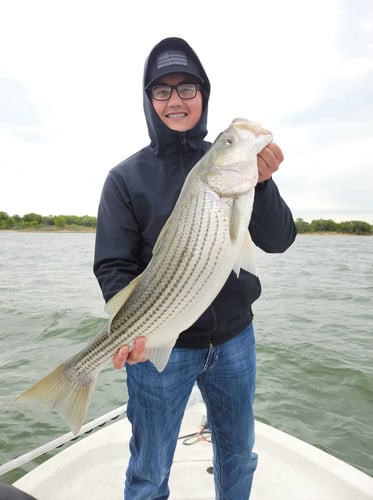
x: 226, y: 378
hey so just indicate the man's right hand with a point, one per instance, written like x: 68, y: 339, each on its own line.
x: 124, y: 355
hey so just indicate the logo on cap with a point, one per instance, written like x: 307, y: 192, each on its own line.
x: 172, y: 57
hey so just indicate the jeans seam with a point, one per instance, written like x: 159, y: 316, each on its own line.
x: 216, y: 446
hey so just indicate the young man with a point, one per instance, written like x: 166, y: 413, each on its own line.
x: 218, y: 351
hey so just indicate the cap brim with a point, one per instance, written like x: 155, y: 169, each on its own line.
x: 173, y: 69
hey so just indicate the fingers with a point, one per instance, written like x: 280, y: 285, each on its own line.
x: 124, y: 355
x: 269, y: 160
x: 137, y: 353
x: 120, y: 357
x: 276, y: 151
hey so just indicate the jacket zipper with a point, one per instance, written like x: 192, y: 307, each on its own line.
x: 184, y: 145
x: 183, y: 141
x: 215, y: 324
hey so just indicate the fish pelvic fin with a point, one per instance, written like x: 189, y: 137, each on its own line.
x: 65, y: 390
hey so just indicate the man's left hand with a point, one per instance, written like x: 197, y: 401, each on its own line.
x: 269, y: 160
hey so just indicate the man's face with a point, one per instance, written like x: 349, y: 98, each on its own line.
x: 176, y: 113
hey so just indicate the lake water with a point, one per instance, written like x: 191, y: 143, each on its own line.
x: 314, y: 331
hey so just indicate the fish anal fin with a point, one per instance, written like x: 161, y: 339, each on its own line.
x: 159, y: 355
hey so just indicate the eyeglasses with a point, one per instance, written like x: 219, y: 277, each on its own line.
x: 163, y: 92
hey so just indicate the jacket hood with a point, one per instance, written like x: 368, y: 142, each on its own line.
x: 163, y: 139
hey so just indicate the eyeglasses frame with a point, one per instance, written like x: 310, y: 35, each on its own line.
x: 173, y: 87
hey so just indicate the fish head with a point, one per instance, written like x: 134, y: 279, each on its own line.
x: 230, y: 167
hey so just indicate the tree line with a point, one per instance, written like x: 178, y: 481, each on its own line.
x: 330, y: 226
x: 71, y: 222
x: 46, y: 222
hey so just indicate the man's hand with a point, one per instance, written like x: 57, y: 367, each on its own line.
x: 123, y: 355
x: 269, y: 160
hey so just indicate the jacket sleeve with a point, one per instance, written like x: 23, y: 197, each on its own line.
x: 117, y: 238
x: 272, y: 226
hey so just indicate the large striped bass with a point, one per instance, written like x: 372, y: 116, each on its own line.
x: 204, y: 239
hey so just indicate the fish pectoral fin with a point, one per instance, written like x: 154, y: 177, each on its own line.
x: 120, y: 298
x: 246, y: 258
x: 234, y: 225
x: 238, y: 213
x: 159, y: 355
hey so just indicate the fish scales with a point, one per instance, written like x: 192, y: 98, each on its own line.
x: 205, y: 238
x: 172, y: 274
x: 176, y: 279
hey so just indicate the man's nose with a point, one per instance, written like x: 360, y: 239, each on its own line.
x: 174, y: 98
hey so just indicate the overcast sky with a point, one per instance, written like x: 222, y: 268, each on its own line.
x: 71, y: 98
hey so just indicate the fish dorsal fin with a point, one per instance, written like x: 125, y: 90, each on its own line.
x: 158, y: 244
x: 160, y: 355
x: 246, y: 258
x: 120, y: 298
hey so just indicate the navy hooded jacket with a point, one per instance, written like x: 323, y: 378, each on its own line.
x: 139, y: 195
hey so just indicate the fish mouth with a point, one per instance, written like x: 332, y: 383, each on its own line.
x: 247, y: 125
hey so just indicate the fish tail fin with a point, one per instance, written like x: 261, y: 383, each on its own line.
x: 65, y: 390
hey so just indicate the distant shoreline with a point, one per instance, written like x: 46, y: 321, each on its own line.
x: 86, y: 223
x: 331, y: 233
x: 49, y: 230
x: 93, y: 230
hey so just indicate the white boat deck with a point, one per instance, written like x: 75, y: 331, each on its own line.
x: 288, y: 469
